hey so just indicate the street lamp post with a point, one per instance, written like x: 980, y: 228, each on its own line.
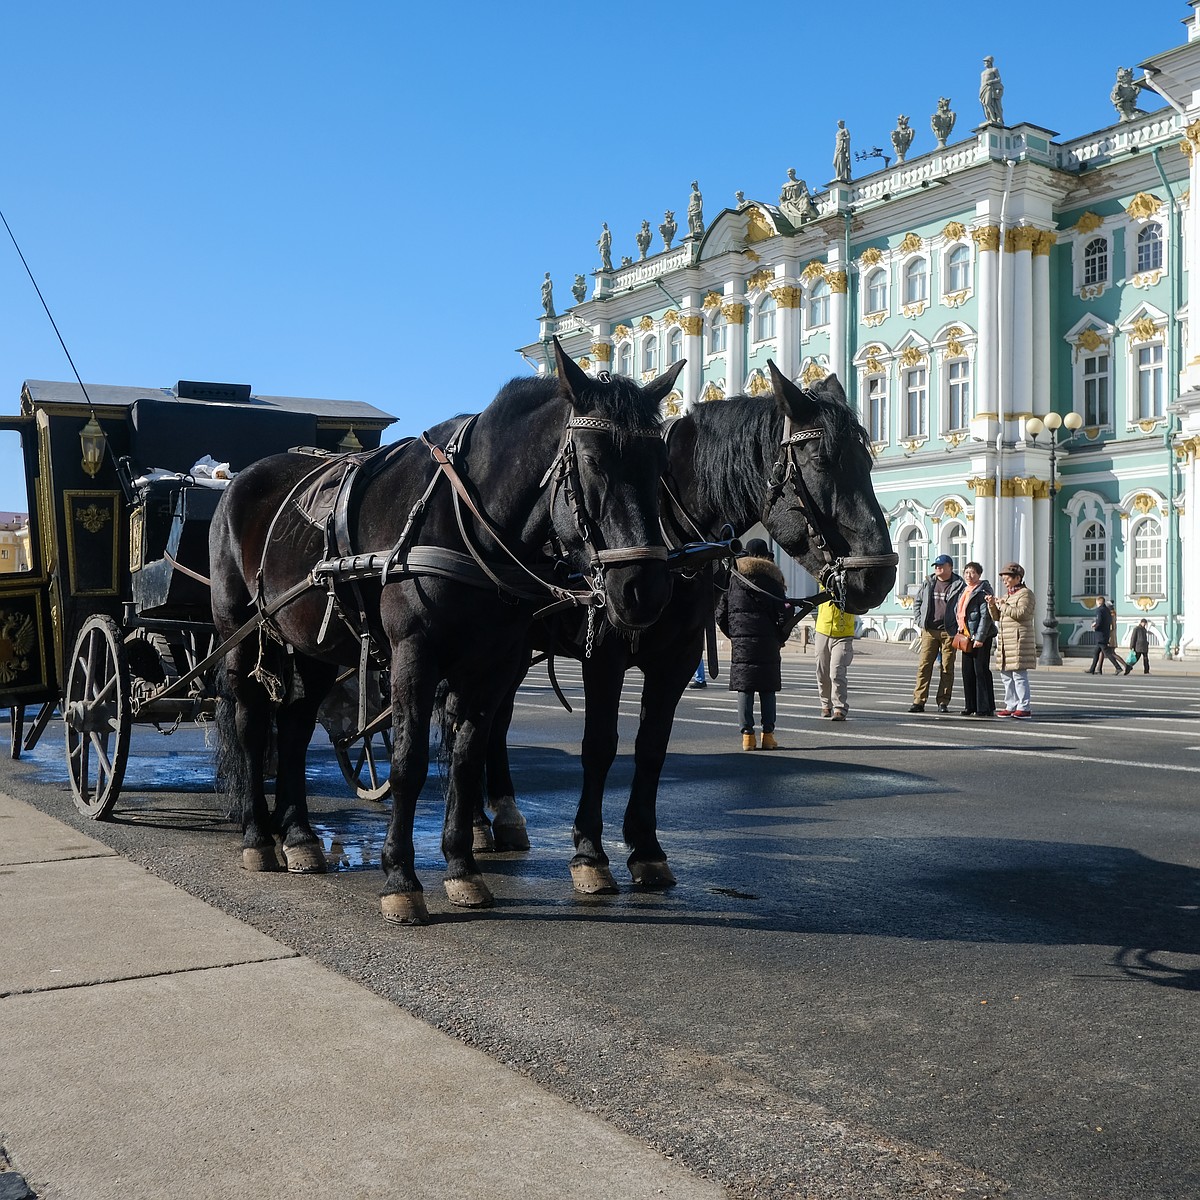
x: 1051, y: 656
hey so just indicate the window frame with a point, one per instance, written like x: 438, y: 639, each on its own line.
x: 718, y: 324
x: 674, y: 343
x: 1159, y: 243
x: 870, y: 309
x: 1156, y: 370
x: 964, y: 384
x: 869, y: 400
x: 907, y: 275
x: 818, y: 297
x: 650, y: 352
x: 1099, y: 563
x: 906, y: 432
x: 952, y: 261
x: 1140, y: 563
x: 768, y: 306
x: 1101, y: 258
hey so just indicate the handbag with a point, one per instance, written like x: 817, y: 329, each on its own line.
x: 963, y: 643
x: 1131, y: 657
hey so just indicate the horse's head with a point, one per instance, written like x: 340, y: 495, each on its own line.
x: 821, y: 507
x: 605, y: 510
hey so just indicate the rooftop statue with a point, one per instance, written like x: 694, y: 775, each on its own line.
x: 579, y: 289
x: 643, y: 241
x: 794, y: 201
x: 1125, y: 94
x: 668, y: 228
x: 604, y: 242
x: 902, y: 137
x: 841, y: 154
x: 942, y: 122
x: 991, y: 90
x: 695, y: 212
x: 548, y: 296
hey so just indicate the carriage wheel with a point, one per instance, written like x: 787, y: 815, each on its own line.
x: 16, y: 727
x: 98, y: 717
x: 366, y: 763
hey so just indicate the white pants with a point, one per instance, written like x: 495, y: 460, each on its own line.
x: 834, y: 656
x: 1016, y: 690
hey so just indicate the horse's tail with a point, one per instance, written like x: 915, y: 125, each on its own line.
x: 232, y: 767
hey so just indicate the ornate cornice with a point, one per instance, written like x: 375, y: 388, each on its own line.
x: 987, y: 237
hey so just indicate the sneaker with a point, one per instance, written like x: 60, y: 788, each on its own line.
x: 1003, y: 712
x: 1022, y: 714
x: 769, y: 742
x: 917, y: 708
x: 839, y: 714
x: 697, y: 683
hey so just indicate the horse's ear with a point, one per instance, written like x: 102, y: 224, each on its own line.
x: 573, y: 379
x: 831, y: 386
x: 791, y: 400
x: 658, y: 389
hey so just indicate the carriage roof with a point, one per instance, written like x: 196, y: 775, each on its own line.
x: 47, y: 394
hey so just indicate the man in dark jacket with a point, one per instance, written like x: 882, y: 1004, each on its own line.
x: 1139, y: 645
x: 934, y: 613
x: 755, y: 618
x: 1104, y: 627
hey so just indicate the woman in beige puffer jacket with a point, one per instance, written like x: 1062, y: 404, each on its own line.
x: 1016, y: 649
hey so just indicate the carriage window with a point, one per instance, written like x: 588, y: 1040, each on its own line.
x: 16, y: 549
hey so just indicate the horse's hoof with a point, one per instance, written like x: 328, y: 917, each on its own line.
x: 470, y: 892
x: 404, y: 908
x: 510, y: 837
x: 482, y: 839
x: 654, y: 875
x: 305, y: 859
x: 260, y: 858
x: 592, y: 880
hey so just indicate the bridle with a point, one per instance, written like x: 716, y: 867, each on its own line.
x: 786, y: 470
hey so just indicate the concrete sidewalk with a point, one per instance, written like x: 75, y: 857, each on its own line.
x: 151, y: 1046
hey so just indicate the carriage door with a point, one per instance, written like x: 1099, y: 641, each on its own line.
x: 26, y: 651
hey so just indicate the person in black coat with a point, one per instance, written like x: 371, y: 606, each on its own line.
x: 1139, y: 645
x: 973, y: 619
x: 1103, y: 625
x: 755, y: 617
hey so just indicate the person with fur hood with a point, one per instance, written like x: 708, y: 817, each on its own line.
x: 1016, y: 647
x: 756, y: 618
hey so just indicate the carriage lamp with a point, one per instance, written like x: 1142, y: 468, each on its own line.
x: 350, y: 443
x: 1051, y: 423
x: 92, y: 439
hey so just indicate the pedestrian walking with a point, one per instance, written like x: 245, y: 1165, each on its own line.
x: 1139, y: 647
x: 975, y: 622
x: 835, y: 653
x: 753, y: 614
x: 934, y: 604
x: 1016, y: 648
x: 1105, y: 626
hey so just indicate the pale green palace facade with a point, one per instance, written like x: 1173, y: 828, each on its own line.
x: 958, y: 293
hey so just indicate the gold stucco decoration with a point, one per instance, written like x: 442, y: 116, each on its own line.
x: 984, y: 486
x: 911, y: 244
x: 1146, y: 280
x: 910, y: 356
x: 987, y: 237
x: 1088, y: 222
x: 955, y: 299
x: 93, y: 519
x: 912, y: 311
x: 1091, y: 340
x: 870, y: 256
x: 1192, y: 133
x: 874, y: 320
x: 735, y: 312
x: 1148, y: 425
x: 585, y: 363
x: 711, y: 392
x: 602, y: 351
x: 1044, y: 242
x: 954, y: 348
x: 787, y: 296
x: 645, y: 324
x: 1020, y: 239
x: 692, y: 326
x: 1144, y: 503
x: 1143, y: 205
x: 838, y: 282
x: 1146, y: 603
x: 758, y: 385
x: 670, y: 318
x: 760, y: 279
x: 813, y: 373
x: 711, y: 300
x: 952, y: 508
x: 672, y: 405
x: 814, y: 270
x: 758, y: 227
x: 955, y: 231
x: 17, y: 636
x: 1144, y: 329
x: 622, y: 332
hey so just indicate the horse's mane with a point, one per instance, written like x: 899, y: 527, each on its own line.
x: 727, y: 474
x: 620, y: 400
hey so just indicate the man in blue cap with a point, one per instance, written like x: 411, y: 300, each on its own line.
x: 934, y: 613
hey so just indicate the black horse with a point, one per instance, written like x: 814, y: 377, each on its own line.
x: 573, y: 461
x: 799, y: 462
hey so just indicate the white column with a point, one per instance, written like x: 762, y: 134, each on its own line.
x: 1041, y: 322
x: 735, y: 309
x: 601, y: 352
x: 987, y: 240
x: 1018, y: 312
x: 691, y: 321
x: 838, y: 277
x: 1190, y: 375
x: 787, y: 293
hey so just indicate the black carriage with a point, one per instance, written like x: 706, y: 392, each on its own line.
x: 107, y: 618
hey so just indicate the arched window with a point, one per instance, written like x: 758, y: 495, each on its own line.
x: 912, y: 561
x: 958, y: 394
x: 675, y: 346
x: 877, y: 408
x: 916, y: 281
x: 1094, y: 545
x: 1096, y: 410
x: 764, y: 324
x: 625, y: 359
x: 957, y: 546
x: 877, y: 291
x: 818, y: 304
x: 717, y: 332
x: 1149, y: 570
x: 1095, y: 262
x: 916, y: 395
x: 1149, y: 247
x: 958, y: 269
x: 650, y: 354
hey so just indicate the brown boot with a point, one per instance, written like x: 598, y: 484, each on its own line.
x: 748, y: 742
x: 769, y: 742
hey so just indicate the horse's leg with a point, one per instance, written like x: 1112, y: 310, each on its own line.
x: 603, y: 676
x: 482, y: 840
x: 508, y: 823
x: 464, y: 799
x: 294, y: 724
x: 414, y: 688
x: 664, y: 684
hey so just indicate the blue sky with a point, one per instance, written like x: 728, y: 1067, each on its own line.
x: 360, y: 200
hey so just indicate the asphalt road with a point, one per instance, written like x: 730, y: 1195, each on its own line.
x: 908, y: 955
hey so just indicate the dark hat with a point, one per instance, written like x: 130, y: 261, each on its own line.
x: 757, y: 548
x: 943, y: 560
x: 1013, y: 569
